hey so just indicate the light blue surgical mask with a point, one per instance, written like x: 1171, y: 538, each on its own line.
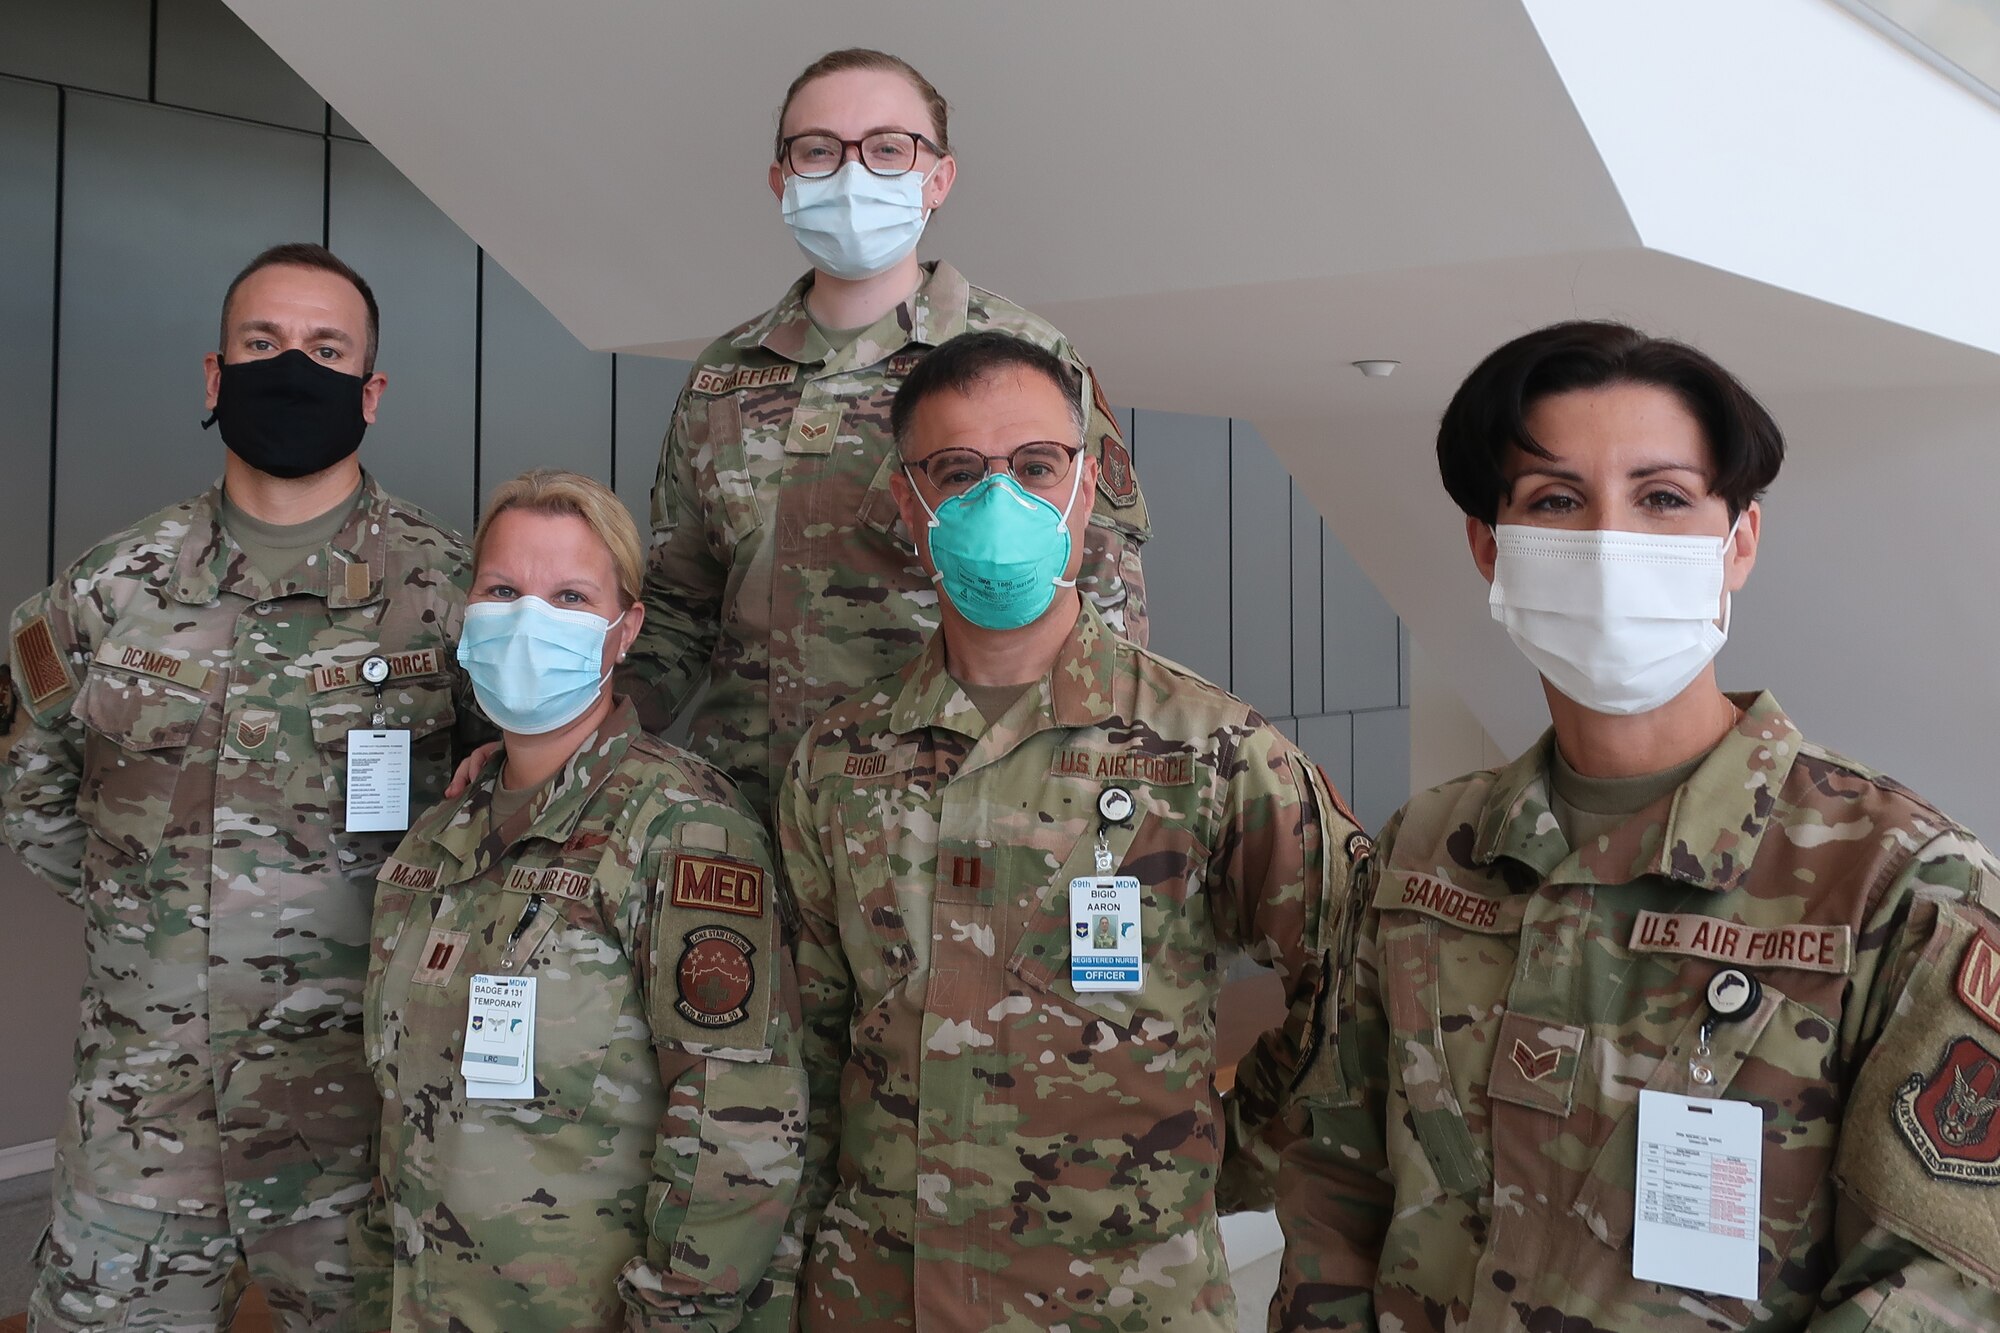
x: 855, y: 224
x: 1000, y: 550
x: 534, y: 667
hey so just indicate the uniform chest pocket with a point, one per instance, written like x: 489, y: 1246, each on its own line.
x: 583, y: 986
x: 1783, y: 1058
x: 1443, y: 984
x: 1176, y: 1002
x: 136, y: 734
x: 723, y: 479
x: 424, y: 706
x: 880, y: 515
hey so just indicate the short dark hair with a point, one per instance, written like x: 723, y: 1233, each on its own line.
x: 1488, y: 415
x: 962, y: 363
x: 861, y: 57
x: 306, y: 254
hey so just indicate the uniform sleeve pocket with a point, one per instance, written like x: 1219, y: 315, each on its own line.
x: 728, y: 1168
x: 879, y: 511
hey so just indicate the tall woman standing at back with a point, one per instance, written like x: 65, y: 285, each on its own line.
x: 779, y: 574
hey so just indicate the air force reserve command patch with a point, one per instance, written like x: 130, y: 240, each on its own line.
x: 1949, y: 1120
x: 714, y: 978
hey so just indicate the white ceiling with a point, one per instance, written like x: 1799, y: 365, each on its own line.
x: 1224, y: 205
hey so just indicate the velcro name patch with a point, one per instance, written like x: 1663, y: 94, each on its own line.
x: 1413, y: 891
x: 550, y: 881
x: 423, y: 662
x: 728, y: 379
x: 1808, y: 948
x: 717, y: 884
x: 406, y: 876
x: 44, y: 671
x: 1157, y: 770
x: 142, y: 661
x: 864, y: 764
x: 1979, y: 980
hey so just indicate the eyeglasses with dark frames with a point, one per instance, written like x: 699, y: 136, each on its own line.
x: 884, y: 153
x: 1040, y: 465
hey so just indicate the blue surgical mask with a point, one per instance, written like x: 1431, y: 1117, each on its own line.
x: 1000, y: 550
x: 534, y: 667
x: 855, y: 224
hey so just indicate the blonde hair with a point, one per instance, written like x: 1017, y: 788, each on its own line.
x: 546, y: 490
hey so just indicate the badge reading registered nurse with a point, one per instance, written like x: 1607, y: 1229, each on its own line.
x: 1106, y: 942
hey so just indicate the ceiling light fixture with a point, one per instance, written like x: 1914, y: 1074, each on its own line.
x: 1377, y: 370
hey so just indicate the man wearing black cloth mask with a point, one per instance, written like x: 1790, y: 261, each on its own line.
x: 233, y: 709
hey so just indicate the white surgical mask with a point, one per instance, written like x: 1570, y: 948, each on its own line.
x: 855, y: 224
x: 1621, y: 622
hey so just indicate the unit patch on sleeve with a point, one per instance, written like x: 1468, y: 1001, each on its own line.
x: 1114, y: 469
x: 1948, y: 1119
x: 717, y: 884
x: 714, y: 978
x: 44, y: 672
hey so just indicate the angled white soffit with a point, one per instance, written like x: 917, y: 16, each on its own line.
x: 1790, y: 142
x: 1225, y: 205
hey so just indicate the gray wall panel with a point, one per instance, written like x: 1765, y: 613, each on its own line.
x: 547, y: 398
x: 1381, y: 765
x: 161, y: 210
x: 1308, y: 684
x: 345, y: 130
x: 1260, y: 574
x: 101, y: 44
x: 1186, y: 475
x: 1360, y: 637
x: 41, y: 952
x: 647, y: 389
x: 27, y: 314
x: 425, y: 275
x: 1329, y: 741
x: 209, y: 59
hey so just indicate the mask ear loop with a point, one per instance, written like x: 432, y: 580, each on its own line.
x: 1727, y: 601
x: 1075, y: 481
x: 931, y: 526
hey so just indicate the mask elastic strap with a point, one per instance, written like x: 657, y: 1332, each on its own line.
x: 1075, y: 481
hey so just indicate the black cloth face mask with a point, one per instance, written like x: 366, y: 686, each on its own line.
x: 288, y: 415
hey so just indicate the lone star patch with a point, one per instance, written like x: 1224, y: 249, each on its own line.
x: 1948, y: 1119
x: 714, y: 978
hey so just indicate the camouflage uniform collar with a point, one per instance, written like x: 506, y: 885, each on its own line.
x: 346, y: 572
x: 467, y: 835
x: 1076, y: 692
x: 935, y: 312
x: 1717, y: 819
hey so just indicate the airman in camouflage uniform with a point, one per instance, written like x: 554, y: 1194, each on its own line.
x: 647, y: 1181
x: 182, y: 782
x: 992, y: 1147
x: 1672, y: 905
x: 781, y: 574
x: 1507, y: 996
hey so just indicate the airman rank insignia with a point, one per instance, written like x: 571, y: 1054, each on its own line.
x: 714, y: 978
x: 728, y: 379
x: 44, y: 672
x: 1948, y: 1119
x: 717, y: 884
x: 1979, y: 980
x: 1114, y: 470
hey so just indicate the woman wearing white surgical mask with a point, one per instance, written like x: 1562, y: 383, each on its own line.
x: 781, y: 577
x: 580, y: 1008
x: 1678, y: 1021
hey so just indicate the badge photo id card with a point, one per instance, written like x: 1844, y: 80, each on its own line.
x: 1106, y: 941
x: 1698, y: 1194
x: 378, y: 781
x: 499, y: 1060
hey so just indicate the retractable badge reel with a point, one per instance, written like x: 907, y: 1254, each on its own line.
x: 1106, y: 950
x: 1733, y: 995
x: 378, y: 766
